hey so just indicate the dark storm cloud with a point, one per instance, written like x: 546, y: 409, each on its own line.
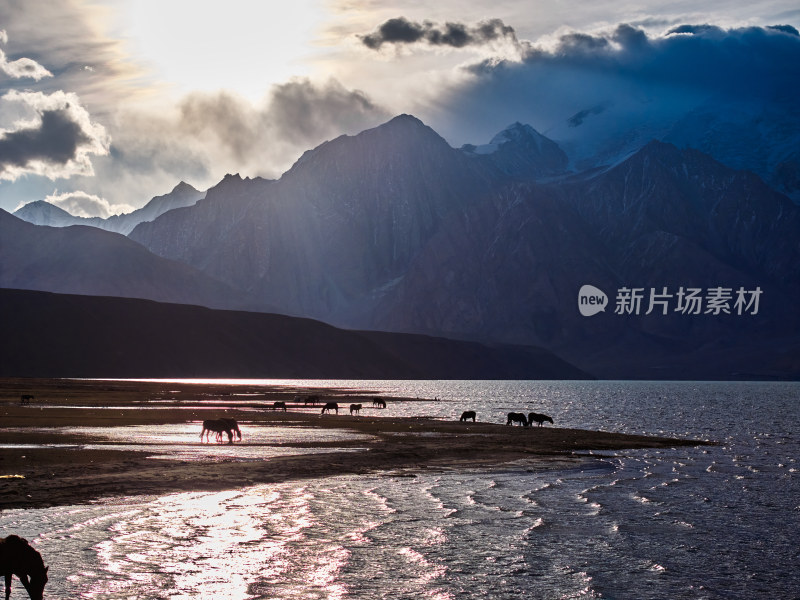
x: 751, y: 60
x: 603, y: 92
x: 55, y: 140
x: 456, y: 35
x: 581, y: 71
x: 55, y: 143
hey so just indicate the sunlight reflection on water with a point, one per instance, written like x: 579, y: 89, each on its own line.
x: 648, y: 524
x: 182, y: 441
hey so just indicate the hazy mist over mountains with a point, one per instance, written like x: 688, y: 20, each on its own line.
x: 395, y: 230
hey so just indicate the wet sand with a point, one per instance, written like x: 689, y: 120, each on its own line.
x: 34, y: 477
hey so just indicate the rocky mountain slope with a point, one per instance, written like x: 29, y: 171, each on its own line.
x: 337, y: 231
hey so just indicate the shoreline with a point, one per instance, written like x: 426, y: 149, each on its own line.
x: 33, y: 475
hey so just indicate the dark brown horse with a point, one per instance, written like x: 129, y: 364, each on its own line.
x: 517, y: 418
x: 234, y: 427
x: 278, y: 406
x: 538, y: 418
x: 18, y: 558
x: 379, y: 402
x: 355, y: 408
x: 468, y: 414
x: 220, y: 426
x: 329, y: 407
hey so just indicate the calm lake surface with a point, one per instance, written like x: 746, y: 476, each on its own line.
x: 713, y: 522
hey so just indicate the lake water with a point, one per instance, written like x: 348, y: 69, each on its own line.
x: 712, y: 522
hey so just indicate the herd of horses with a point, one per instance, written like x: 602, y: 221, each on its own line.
x: 230, y: 427
x: 514, y: 417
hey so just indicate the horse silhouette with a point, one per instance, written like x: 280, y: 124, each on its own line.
x: 233, y: 425
x: 25, y: 399
x: 468, y: 414
x: 312, y: 400
x: 538, y: 418
x: 517, y: 418
x: 329, y: 407
x: 17, y: 557
x: 278, y: 405
x: 379, y: 402
x: 355, y: 408
x: 220, y: 426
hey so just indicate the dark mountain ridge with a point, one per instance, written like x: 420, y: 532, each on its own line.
x: 58, y: 335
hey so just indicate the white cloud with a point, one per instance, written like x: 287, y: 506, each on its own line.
x: 22, y: 67
x: 82, y: 204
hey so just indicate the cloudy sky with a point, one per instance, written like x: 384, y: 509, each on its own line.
x: 107, y: 103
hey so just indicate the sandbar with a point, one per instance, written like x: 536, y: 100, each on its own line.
x: 45, y: 461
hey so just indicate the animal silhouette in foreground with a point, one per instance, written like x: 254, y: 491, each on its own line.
x: 538, y: 418
x: 278, y: 406
x: 18, y: 558
x: 379, y: 402
x: 517, y: 418
x: 355, y: 408
x: 329, y: 407
x: 468, y: 414
x: 220, y: 426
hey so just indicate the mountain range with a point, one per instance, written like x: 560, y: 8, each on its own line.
x: 86, y: 260
x: 41, y: 212
x: 394, y: 230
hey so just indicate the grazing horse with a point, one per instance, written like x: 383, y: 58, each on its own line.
x: 220, y: 426
x: 234, y: 427
x: 18, y: 558
x: 355, y: 408
x: 517, y: 418
x: 468, y: 414
x: 278, y: 405
x: 312, y: 400
x: 379, y: 402
x: 329, y: 407
x: 25, y: 399
x: 538, y: 418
